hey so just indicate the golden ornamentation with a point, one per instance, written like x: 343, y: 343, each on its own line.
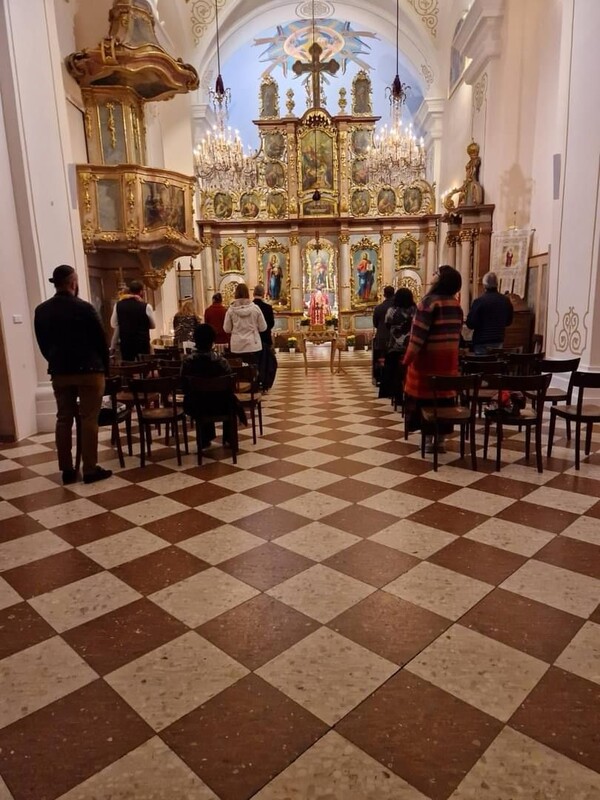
x: 374, y: 294
x: 154, y: 278
x: 451, y: 239
x: 87, y: 234
x: 231, y: 257
x: 406, y: 252
x: 136, y: 132
x: 228, y: 291
x: 343, y: 102
x: 362, y: 103
x: 344, y: 238
x: 271, y: 255
x: 466, y: 235
x: 431, y: 236
x: 569, y: 336
x: 251, y: 241
x: 290, y: 103
x: 112, y: 129
x: 88, y: 124
x: 268, y: 98
x: 109, y: 237
x: 294, y: 239
x: 428, y: 11
x: 471, y: 191
x: 407, y: 281
x: 386, y: 237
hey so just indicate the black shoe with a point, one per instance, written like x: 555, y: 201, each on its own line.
x: 98, y: 474
x: 69, y: 476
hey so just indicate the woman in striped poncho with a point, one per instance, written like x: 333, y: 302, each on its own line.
x: 433, y: 346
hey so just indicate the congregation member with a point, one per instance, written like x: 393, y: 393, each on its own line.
x: 433, y: 349
x: 380, y: 340
x: 205, y: 362
x: 215, y: 316
x: 184, y: 323
x: 398, y: 321
x: 489, y: 317
x: 71, y: 338
x: 266, y: 337
x: 133, y: 319
x: 245, y: 322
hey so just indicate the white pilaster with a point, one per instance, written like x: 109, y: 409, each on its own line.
x: 344, y: 273
x: 297, y: 300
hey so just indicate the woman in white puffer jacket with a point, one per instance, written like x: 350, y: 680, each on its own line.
x: 244, y: 321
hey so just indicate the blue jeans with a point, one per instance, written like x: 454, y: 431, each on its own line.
x: 482, y: 349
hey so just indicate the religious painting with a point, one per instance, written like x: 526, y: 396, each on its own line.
x: 510, y: 253
x: 386, y: 200
x: 164, y: 206
x: 360, y: 202
x: 406, y: 252
x: 360, y: 172
x: 249, y: 205
x: 269, y: 99
x: 458, y: 61
x: 361, y: 141
x: 324, y: 207
x: 276, y: 204
x: 223, y: 205
x: 275, y: 273
x: 319, y: 271
x: 365, y: 273
x: 110, y: 215
x: 274, y: 144
x: 412, y: 199
x: 316, y: 160
x: 231, y: 257
x: 274, y: 175
x: 361, y: 94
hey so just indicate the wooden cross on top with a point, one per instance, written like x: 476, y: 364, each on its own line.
x: 315, y: 68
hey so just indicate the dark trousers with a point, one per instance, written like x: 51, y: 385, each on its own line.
x: 88, y: 388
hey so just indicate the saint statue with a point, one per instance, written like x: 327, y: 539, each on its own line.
x: 318, y: 307
x: 471, y: 192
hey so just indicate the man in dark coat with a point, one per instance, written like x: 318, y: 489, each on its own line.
x: 134, y: 319
x: 489, y: 316
x: 382, y: 333
x: 266, y: 356
x: 71, y: 338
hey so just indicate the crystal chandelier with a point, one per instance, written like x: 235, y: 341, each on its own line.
x: 396, y: 155
x: 219, y: 159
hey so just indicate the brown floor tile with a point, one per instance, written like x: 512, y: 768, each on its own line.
x: 140, y: 474
x: 211, y: 470
x: 14, y: 475
x: 562, y: 712
x: 595, y: 617
x: 428, y: 488
x: 243, y: 737
x: 21, y: 627
x: 391, y: 627
x: 198, y: 495
x: 339, y: 449
x: 121, y: 636
x: 183, y: 525
x: 266, y: 566
x: 386, y: 434
x: 575, y: 483
x: 506, y: 487
x: 46, y: 574
x: 89, y: 530
x: 542, y: 517
x: 428, y: 737
x: 37, y: 458
x: 125, y: 496
x: 410, y: 466
x: 352, y: 490
x: 594, y: 511
x: 283, y: 438
x: 551, y: 464
x: 343, y: 466
x: 281, y: 450
x: 15, y: 527
x: 46, y: 499
x: 371, y: 562
x: 400, y: 447
x: 359, y: 520
x: 524, y: 624
x: 258, y: 630
x: 572, y: 554
x: 448, y: 518
x: 50, y: 751
x: 481, y: 561
x: 159, y: 569
x: 337, y: 436
x: 275, y: 492
x: 271, y: 523
x: 278, y: 469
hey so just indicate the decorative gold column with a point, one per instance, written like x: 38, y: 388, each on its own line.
x: 344, y: 272
x: 252, y: 260
x: 465, y: 238
x: 451, y: 242
x: 297, y: 300
x: 430, y: 256
x: 387, y: 258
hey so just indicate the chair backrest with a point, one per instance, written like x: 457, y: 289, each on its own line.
x: 223, y: 383
x: 583, y: 381
x: 471, y: 366
x: 112, y: 386
x: 537, y: 343
x: 556, y: 365
x: 466, y: 386
x: 524, y: 363
x: 171, y: 353
x: 526, y: 384
x: 165, y: 388
x: 169, y: 370
x: 248, y: 375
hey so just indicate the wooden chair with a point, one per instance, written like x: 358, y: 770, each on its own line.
x: 485, y: 366
x: 167, y: 412
x: 249, y: 395
x: 465, y: 386
x: 524, y: 363
x: 529, y: 418
x: 581, y: 413
x: 537, y: 343
x: 223, y: 385
x: 110, y: 416
x: 171, y: 353
x: 554, y: 395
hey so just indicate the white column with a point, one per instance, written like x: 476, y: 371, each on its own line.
x: 252, y: 270
x: 297, y: 300
x: 465, y: 270
x: 430, y: 256
x: 210, y: 284
x: 387, y: 259
x: 344, y: 273
x: 38, y: 192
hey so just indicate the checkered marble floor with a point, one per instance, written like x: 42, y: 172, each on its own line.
x: 327, y: 619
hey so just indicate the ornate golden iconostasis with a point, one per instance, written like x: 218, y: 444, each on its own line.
x: 312, y: 219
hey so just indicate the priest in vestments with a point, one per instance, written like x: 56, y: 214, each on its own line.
x: 318, y: 307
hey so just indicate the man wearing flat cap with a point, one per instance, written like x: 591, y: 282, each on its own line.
x: 71, y: 338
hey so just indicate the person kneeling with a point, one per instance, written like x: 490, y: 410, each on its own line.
x: 205, y: 362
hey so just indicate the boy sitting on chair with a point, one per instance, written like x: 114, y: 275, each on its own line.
x: 205, y: 362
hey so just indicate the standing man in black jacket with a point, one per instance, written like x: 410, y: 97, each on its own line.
x: 266, y: 336
x: 133, y: 317
x: 382, y: 332
x: 489, y: 316
x: 71, y: 338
